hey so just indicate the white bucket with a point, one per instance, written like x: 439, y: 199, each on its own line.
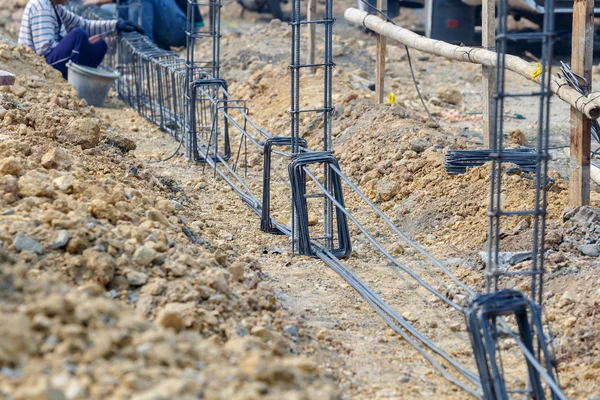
x: 92, y: 84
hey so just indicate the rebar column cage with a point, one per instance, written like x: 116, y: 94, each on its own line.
x: 503, y: 310
x: 203, y: 115
x: 211, y: 64
x: 539, y: 158
x: 326, y: 110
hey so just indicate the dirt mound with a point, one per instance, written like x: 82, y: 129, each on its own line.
x: 60, y: 342
x: 398, y: 162
x: 102, y: 273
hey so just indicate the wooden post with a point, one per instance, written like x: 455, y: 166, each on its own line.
x: 380, y: 61
x: 581, y: 64
x: 488, y: 41
x: 312, y: 28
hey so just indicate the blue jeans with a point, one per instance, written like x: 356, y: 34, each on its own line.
x: 76, y: 47
x: 164, y: 22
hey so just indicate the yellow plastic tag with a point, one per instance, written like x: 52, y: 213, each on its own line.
x: 537, y: 72
x: 392, y: 98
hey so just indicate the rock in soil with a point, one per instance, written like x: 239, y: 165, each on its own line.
x: 22, y: 242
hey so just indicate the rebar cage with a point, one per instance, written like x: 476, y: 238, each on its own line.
x: 334, y: 225
x: 504, y: 312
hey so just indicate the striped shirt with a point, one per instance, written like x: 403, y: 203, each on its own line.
x: 41, y: 30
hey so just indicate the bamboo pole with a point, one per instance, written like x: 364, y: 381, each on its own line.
x: 588, y: 105
x: 488, y: 42
x: 581, y: 127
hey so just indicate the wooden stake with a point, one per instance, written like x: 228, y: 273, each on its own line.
x: 380, y: 61
x: 488, y: 41
x: 581, y: 64
x: 312, y: 28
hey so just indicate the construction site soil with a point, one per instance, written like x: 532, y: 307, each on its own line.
x: 124, y: 277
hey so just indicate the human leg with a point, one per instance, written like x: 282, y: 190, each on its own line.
x: 169, y: 30
x: 77, y: 48
x: 67, y: 48
x: 91, y: 55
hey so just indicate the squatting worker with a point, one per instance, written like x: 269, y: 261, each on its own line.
x: 164, y: 21
x: 59, y: 35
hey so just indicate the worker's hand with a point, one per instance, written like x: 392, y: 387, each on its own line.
x: 128, y: 26
x: 96, y: 2
x: 95, y: 39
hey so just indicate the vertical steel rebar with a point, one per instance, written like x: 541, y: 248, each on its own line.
x: 327, y: 114
x: 537, y: 213
x: 544, y: 142
x: 199, y: 106
x: 294, y: 105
